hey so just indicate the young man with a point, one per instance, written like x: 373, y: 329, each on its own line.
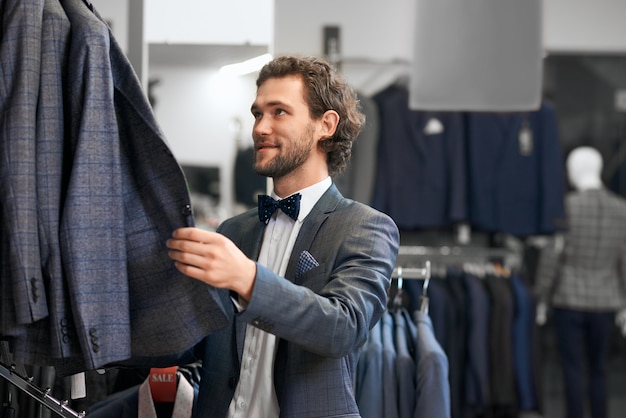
x: 305, y: 288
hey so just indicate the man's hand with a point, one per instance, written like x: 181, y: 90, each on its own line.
x: 213, y: 259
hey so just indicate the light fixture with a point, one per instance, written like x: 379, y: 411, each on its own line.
x: 247, y: 66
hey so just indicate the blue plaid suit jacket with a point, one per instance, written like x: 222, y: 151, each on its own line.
x: 117, y: 193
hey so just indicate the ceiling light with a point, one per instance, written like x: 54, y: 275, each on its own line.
x: 247, y: 66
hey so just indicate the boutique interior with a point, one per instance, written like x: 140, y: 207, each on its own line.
x: 469, y: 162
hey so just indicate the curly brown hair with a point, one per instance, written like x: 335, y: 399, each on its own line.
x: 325, y: 89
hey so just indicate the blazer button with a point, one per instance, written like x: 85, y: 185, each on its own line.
x: 34, y: 289
x: 65, y: 331
x: 232, y: 382
x: 95, y: 347
x: 186, y: 210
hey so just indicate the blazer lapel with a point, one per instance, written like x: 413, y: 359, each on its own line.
x: 312, y: 223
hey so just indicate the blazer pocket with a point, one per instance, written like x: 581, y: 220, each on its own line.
x: 314, y: 279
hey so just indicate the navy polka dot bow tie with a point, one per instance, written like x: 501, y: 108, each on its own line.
x: 289, y: 205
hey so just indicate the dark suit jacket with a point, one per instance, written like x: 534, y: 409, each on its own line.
x: 513, y: 188
x: 420, y: 176
x: 328, y: 311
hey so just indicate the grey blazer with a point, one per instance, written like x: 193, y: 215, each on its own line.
x: 322, y: 317
x: 21, y: 281
x: 126, y: 195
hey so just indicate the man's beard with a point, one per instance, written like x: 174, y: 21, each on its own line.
x: 297, y: 153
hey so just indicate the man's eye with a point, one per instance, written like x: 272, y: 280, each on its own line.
x: 280, y: 112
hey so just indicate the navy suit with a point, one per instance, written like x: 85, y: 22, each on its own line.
x: 516, y: 182
x: 477, y: 389
x: 524, y: 360
x: 420, y: 177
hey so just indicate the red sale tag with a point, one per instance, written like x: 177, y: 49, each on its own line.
x: 163, y: 384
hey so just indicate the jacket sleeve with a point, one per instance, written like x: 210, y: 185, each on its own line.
x: 330, y: 309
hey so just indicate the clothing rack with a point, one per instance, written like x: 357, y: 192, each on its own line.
x: 444, y: 255
x: 441, y: 257
x: 11, y: 374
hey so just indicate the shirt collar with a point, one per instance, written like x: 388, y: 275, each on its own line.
x: 310, y: 196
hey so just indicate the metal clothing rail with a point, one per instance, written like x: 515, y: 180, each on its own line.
x: 451, y: 255
x: 453, y: 251
x: 400, y: 273
x: 61, y: 408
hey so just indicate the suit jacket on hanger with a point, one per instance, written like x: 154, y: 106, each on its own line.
x: 123, y: 193
x: 23, y: 296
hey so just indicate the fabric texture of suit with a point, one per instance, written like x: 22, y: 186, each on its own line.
x: 121, y: 195
x: 328, y: 310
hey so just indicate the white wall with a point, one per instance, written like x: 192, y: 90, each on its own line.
x: 585, y: 26
x: 196, y: 108
x: 116, y: 13
x: 209, y: 21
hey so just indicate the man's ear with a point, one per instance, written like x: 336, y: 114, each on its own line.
x: 329, y: 122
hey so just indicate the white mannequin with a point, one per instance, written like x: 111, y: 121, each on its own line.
x: 584, y: 171
x: 584, y: 168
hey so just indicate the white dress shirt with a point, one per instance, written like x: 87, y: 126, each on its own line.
x: 255, y: 395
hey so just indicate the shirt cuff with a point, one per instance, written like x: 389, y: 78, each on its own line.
x: 240, y: 303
